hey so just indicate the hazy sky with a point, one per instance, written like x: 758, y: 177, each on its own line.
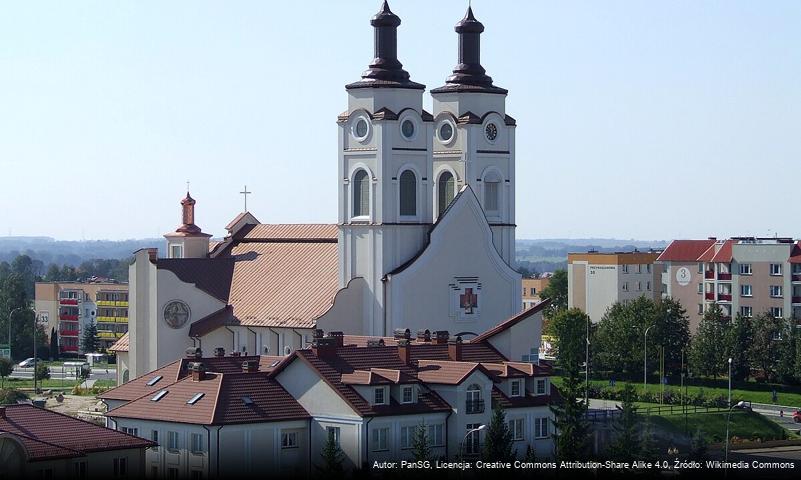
x: 650, y: 120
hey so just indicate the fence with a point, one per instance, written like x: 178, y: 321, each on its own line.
x: 603, y: 415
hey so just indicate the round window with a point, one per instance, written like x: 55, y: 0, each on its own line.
x: 492, y: 132
x: 361, y: 128
x: 407, y: 128
x: 445, y: 132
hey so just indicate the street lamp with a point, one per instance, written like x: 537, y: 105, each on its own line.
x: 587, y: 366
x: 739, y: 404
x: 11, y: 316
x: 469, y: 432
x: 729, y: 380
x: 645, y: 362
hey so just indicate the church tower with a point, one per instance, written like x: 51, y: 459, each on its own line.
x: 187, y: 241
x: 384, y: 172
x: 474, y: 140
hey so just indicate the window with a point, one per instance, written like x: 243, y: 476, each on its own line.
x: 639, y: 268
x: 745, y: 290
x: 159, y: 396
x: 541, y: 427
x: 647, y: 268
x: 745, y: 269
x: 700, y: 288
x: 175, y: 251
x: 172, y: 441
x: 361, y: 194
x: 648, y: 286
x: 700, y: 267
x: 120, y: 467
x: 333, y: 432
x: 776, y: 291
x: 172, y: 473
x: 474, y: 402
x: 515, y: 388
x: 533, y: 291
x: 197, y: 443
x: 289, y: 439
x: 471, y: 443
x: 154, y: 436
x: 542, y: 386
x: 435, y: 435
x: 196, y: 474
x: 625, y: 287
x: 379, y: 396
x: 625, y: 268
x: 775, y: 268
x: 380, y: 439
x: 446, y: 190
x: 746, y: 312
x: 408, y: 193
x: 492, y: 192
x: 777, y: 312
x: 195, y: 398
x: 79, y: 470
x: 130, y: 431
x: 700, y: 309
x: 407, y: 394
x: 639, y: 286
x: 407, y: 436
x: 154, y: 380
x: 516, y: 428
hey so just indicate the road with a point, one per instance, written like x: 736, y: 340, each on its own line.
x: 56, y: 373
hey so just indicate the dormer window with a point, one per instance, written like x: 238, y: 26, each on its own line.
x: 542, y: 386
x: 379, y: 396
x: 407, y: 394
x: 516, y: 389
x: 176, y: 251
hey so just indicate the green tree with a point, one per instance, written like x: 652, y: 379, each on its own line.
x: 671, y: 330
x: 785, y: 367
x: 89, y: 339
x: 572, y: 429
x: 421, y: 450
x: 763, y: 352
x: 54, y: 343
x: 648, y: 447
x: 531, y: 454
x: 708, y: 348
x: 332, y: 458
x: 698, y: 446
x: 556, y: 291
x: 625, y: 446
x: 498, y: 443
x: 738, y: 341
x: 6, y: 369
x: 618, y: 340
x: 42, y: 371
x: 15, y: 299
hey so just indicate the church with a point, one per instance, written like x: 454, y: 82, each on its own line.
x: 424, y: 239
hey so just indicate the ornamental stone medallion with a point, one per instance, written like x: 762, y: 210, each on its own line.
x: 176, y: 314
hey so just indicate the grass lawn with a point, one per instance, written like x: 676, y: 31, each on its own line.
x: 744, y: 425
x: 50, y: 384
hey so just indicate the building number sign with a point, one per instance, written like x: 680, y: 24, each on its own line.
x: 683, y: 276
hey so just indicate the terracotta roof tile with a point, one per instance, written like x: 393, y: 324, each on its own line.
x: 121, y: 345
x: 724, y: 253
x: 173, y: 407
x: 685, y: 250
x: 47, y: 434
x: 138, y: 386
x: 444, y: 371
x: 270, y: 402
x: 795, y: 253
x: 272, y: 232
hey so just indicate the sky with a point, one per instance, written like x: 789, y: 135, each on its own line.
x: 649, y: 120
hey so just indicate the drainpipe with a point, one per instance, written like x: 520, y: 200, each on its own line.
x: 277, y: 341
x: 255, y: 338
x: 208, y: 441
x: 233, y: 338
x: 300, y: 337
x: 367, y: 441
x: 450, y: 412
x: 308, y: 471
x: 384, y: 281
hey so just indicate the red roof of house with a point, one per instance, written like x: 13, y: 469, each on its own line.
x: 795, y: 253
x: 48, y: 435
x: 685, y: 250
x: 724, y: 253
x: 121, y: 345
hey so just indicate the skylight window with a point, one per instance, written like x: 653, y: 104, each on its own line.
x: 275, y: 363
x: 247, y: 400
x: 195, y: 398
x: 158, y: 396
x: 154, y: 380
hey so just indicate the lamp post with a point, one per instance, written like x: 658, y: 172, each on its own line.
x: 472, y: 430
x: 587, y: 366
x: 645, y: 362
x: 10, y: 317
x: 739, y: 404
x: 729, y: 380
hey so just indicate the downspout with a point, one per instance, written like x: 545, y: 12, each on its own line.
x: 218, y: 449
x: 384, y: 281
x: 277, y: 341
x: 255, y: 338
x: 208, y: 441
x: 300, y: 338
x: 367, y: 441
x: 308, y: 472
x: 233, y: 338
x: 450, y: 412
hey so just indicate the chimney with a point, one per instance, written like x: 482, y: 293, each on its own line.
x: 325, y: 347
x: 250, y: 366
x: 235, y: 354
x: 219, y: 352
x: 423, y: 335
x: 338, y: 337
x: 152, y: 254
x: 193, y: 353
x: 318, y: 333
x: 198, y: 371
x: 402, y: 333
x: 441, y: 337
x: 455, y: 349
x: 375, y: 342
x: 404, y: 350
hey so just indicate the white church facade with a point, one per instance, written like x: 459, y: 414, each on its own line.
x: 424, y: 237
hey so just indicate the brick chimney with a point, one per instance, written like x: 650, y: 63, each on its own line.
x: 424, y: 335
x: 219, y: 352
x: 402, y: 333
x: 198, y: 371
x: 325, y: 347
x: 404, y: 350
x: 375, y: 342
x: 339, y: 337
x: 441, y: 337
x: 455, y: 349
x: 250, y: 366
x: 152, y: 254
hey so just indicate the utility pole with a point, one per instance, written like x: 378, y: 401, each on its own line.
x: 587, y: 367
x: 645, y: 363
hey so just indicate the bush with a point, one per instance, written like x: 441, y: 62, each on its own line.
x: 42, y: 371
x: 10, y: 396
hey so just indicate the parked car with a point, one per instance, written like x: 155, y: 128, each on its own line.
x: 797, y: 416
x: 28, y: 362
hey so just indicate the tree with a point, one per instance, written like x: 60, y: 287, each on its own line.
x: 531, y: 455
x: 763, y: 353
x: 708, y: 348
x: 54, y: 343
x: 572, y: 429
x: 42, y: 371
x: 698, y: 446
x: 421, y: 450
x: 738, y: 341
x: 785, y: 368
x: 671, y: 330
x: 498, y: 443
x: 89, y: 340
x: 618, y: 340
x: 556, y: 291
x: 648, y: 448
x: 6, y: 369
x: 626, y: 445
x: 332, y: 458
x: 14, y: 298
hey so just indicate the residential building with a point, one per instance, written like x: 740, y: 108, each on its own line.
x: 531, y: 290
x: 40, y: 443
x: 226, y: 415
x: 743, y: 275
x: 68, y: 307
x: 597, y: 280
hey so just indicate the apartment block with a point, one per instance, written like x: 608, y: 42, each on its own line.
x: 70, y: 306
x: 597, y: 280
x: 744, y: 275
x: 531, y: 290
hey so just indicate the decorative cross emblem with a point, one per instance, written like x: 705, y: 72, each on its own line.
x: 468, y: 300
x: 245, y: 194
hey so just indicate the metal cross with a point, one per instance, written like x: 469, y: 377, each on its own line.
x: 245, y: 193
x: 187, y: 186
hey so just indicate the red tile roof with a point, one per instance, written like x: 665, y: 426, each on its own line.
x: 506, y: 324
x: 795, y: 253
x: 724, y: 253
x: 446, y: 372
x: 138, y: 386
x: 272, y: 232
x: 49, y: 435
x: 121, y: 345
x: 685, y: 250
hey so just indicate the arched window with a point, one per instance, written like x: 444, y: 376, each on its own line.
x: 446, y: 188
x: 361, y: 194
x: 408, y: 193
x: 492, y: 183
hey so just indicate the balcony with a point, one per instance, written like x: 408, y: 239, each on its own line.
x: 68, y: 333
x: 724, y: 297
x: 112, y: 319
x: 69, y: 348
x: 796, y: 277
x: 74, y: 318
x: 710, y: 296
x: 68, y: 301
x: 474, y: 406
x: 709, y: 274
x: 724, y: 276
x: 796, y: 299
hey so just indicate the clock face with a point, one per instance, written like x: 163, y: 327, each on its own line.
x: 176, y: 314
x: 361, y: 129
x: 492, y: 132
